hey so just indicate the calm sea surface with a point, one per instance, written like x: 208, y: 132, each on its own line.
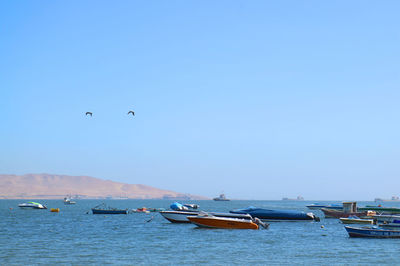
x: 73, y: 237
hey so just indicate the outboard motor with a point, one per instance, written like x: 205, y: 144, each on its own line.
x: 260, y: 223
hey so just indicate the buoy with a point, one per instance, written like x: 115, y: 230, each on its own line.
x: 322, y: 226
x: 55, y: 209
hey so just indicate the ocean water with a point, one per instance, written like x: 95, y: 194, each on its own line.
x: 74, y: 237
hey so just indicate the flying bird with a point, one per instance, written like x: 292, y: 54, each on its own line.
x: 89, y: 113
x: 131, y: 112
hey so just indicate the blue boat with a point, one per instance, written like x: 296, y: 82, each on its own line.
x: 276, y: 215
x: 372, y: 232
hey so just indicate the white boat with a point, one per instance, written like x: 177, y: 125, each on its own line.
x: 67, y: 201
x: 178, y: 216
x: 181, y: 216
x: 32, y: 205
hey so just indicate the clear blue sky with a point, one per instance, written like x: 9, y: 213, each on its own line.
x: 258, y: 99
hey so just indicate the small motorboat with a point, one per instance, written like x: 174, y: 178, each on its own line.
x: 276, y: 215
x: 32, y: 205
x: 178, y: 216
x: 211, y: 221
x: 182, y: 216
x: 103, y: 209
x: 372, y: 232
x: 356, y: 220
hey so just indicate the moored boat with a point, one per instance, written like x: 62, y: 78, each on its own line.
x: 356, y: 220
x: 103, y: 209
x: 349, y: 209
x: 380, y: 209
x: 372, y: 232
x: 386, y: 218
x: 276, y: 215
x: 340, y: 214
x: 210, y: 221
x: 316, y: 206
x: 182, y: 216
x: 32, y: 205
x: 178, y: 216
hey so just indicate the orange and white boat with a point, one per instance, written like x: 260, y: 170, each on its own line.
x: 209, y: 221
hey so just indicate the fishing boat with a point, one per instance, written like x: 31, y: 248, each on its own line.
x: 276, y: 215
x: 68, y: 201
x: 32, y: 205
x: 103, y: 209
x: 372, y: 232
x: 386, y: 218
x: 380, y: 209
x: 316, y: 206
x: 356, y: 220
x: 210, y: 221
x: 348, y: 209
x: 221, y: 197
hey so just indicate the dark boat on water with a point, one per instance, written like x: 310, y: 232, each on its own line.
x: 103, y: 209
x: 221, y: 198
x: 276, y: 215
x: 372, y: 232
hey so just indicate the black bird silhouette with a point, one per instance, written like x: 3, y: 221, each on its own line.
x: 131, y: 112
x: 89, y: 113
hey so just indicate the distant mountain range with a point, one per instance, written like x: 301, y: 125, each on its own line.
x: 49, y: 186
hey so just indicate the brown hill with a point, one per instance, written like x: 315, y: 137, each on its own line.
x: 49, y: 186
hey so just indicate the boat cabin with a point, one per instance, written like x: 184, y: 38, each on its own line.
x: 349, y: 207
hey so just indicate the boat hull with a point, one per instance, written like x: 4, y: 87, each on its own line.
x: 222, y: 223
x: 356, y: 221
x: 177, y: 216
x: 372, y: 232
x: 182, y: 216
x: 386, y: 218
x: 276, y: 215
x: 387, y: 210
x: 340, y: 214
x: 98, y: 211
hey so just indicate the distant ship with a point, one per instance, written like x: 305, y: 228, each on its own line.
x: 221, y: 198
x: 298, y: 198
x: 394, y: 198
